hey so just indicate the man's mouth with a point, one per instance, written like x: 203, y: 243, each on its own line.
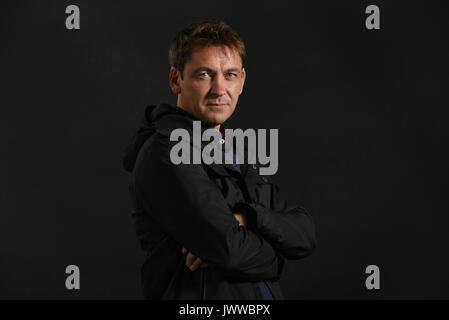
x: 217, y: 104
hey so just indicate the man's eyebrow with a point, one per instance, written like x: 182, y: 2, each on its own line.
x: 204, y: 69
x: 212, y: 71
x: 234, y: 70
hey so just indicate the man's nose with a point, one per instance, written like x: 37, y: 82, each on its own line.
x: 218, y: 85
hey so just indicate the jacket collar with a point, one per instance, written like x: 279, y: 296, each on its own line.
x: 175, y: 117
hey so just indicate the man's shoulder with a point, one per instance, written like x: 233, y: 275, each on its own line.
x: 158, y: 151
x: 155, y: 163
x: 157, y: 146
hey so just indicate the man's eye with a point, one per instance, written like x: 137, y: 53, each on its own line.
x: 231, y: 75
x: 203, y: 74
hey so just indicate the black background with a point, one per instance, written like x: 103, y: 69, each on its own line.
x: 362, y: 138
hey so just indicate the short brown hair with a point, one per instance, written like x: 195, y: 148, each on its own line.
x: 203, y: 34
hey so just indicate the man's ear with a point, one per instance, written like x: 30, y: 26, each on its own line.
x: 243, y: 80
x: 174, y: 79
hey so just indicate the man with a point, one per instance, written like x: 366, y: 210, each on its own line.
x: 217, y: 231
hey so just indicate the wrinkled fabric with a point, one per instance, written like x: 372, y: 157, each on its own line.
x: 265, y: 291
x: 192, y: 206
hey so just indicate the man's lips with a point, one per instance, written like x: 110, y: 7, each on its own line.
x: 217, y: 104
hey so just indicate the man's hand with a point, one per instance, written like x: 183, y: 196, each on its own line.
x: 241, y: 218
x: 192, y: 262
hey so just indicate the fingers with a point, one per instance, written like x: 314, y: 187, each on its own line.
x: 190, y: 259
x: 195, y: 265
x: 192, y: 262
x: 241, y: 218
x: 198, y: 263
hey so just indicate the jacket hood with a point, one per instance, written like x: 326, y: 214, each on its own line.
x: 162, y: 118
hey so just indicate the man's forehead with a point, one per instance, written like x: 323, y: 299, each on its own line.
x: 210, y: 56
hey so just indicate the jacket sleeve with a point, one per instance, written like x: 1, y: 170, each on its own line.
x: 289, y: 228
x: 191, y: 209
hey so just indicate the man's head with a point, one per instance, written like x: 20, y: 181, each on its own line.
x: 207, y: 72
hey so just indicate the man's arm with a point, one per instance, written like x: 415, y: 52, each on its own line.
x: 191, y: 208
x: 193, y: 263
x: 289, y: 228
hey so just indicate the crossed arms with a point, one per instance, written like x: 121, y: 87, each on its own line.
x: 193, y: 262
x: 192, y: 209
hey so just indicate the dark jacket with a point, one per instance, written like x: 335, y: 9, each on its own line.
x: 191, y: 206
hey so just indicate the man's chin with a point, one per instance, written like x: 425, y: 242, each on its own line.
x: 216, y: 119
x: 212, y: 122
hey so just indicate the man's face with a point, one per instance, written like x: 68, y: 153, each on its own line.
x: 213, y: 81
